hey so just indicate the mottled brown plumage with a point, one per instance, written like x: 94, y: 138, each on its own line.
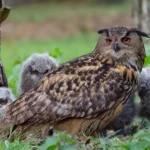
x: 85, y: 94
x: 122, y: 122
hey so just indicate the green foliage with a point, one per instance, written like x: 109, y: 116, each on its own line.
x: 59, y: 141
x: 62, y: 141
x: 16, y: 145
x: 56, y: 54
x: 139, y: 141
x: 147, y: 61
x: 13, y: 79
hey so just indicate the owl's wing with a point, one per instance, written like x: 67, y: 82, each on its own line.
x: 76, y: 89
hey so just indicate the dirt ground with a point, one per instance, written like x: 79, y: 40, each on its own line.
x: 54, y: 28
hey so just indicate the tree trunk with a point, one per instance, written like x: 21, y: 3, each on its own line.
x: 4, y: 11
x: 141, y: 14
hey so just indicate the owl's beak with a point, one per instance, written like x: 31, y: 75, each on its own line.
x: 40, y: 76
x: 116, y: 47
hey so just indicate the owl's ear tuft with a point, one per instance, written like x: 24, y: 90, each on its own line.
x: 140, y: 33
x: 103, y: 31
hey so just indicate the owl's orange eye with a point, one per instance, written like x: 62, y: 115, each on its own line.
x: 108, y: 41
x: 126, y: 40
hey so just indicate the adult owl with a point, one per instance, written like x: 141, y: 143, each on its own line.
x: 85, y: 94
x: 33, y: 69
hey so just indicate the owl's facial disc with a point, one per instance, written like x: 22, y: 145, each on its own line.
x: 40, y: 75
x: 125, y: 40
x: 115, y: 44
x: 36, y: 77
x: 117, y: 41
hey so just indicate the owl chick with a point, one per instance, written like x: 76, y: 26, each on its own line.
x: 6, y: 98
x: 85, y: 94
x: 144, y: 92
x: 33, y: 69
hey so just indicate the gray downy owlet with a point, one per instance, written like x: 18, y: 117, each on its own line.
x: 6, y: 98
x: 33, y: 69
x: 144, y: 92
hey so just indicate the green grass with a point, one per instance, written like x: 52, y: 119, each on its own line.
x: 16, y: 145
x: 51, y: 11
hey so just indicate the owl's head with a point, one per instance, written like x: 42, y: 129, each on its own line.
x: 6, y: 97
x: 36, y: 66
x: 33, y: 69
x: 122, y: 44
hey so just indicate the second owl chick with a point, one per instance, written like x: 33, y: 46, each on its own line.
x: 144, y: 92
x: 6, y: 98
x: 33, y: 69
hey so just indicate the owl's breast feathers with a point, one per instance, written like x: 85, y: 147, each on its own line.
x: 86, y: 88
